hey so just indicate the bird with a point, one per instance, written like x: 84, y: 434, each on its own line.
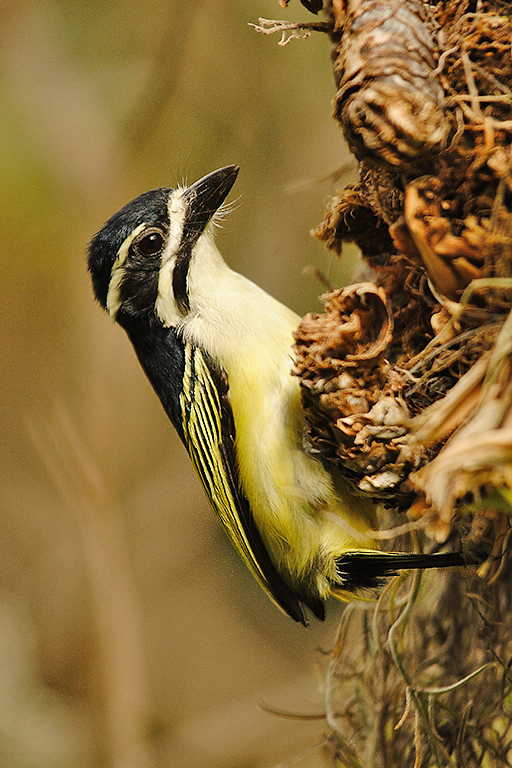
x: 217, y: 350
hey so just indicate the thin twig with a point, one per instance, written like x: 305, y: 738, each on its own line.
x: 407, y: 709
x: 299, y: 30
x: 457, y: 684
x: 461, y: 735
x: 417, y: 699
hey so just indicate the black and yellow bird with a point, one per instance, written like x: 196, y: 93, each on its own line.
x: 217, y: 350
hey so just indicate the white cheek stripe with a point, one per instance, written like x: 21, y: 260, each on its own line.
x: 165, y: 305
x: 117, y: 274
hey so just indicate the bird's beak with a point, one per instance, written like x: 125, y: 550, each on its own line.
x: 205, y: 197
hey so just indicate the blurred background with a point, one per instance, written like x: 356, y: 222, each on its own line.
x: 130, y: 633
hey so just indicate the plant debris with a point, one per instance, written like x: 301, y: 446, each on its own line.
x: 433, y: 221
x: 389, y: 99
x: 407, y: 380
x: 406, y: 684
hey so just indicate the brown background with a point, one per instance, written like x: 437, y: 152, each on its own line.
x: 130, y: 634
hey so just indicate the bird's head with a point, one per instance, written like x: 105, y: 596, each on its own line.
x: 157, y: 230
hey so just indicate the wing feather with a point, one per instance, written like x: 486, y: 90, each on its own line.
x: 209, y: 435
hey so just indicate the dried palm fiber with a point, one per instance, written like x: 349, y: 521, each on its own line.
x: 389, y: 100
x: 406, y: 380
x: 427, y: 342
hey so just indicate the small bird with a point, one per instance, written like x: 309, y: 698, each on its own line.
x: 218, y: 351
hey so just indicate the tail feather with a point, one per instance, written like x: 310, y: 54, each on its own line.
x: 364, y: 570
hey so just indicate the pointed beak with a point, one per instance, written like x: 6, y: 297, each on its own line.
x: 205, y: 197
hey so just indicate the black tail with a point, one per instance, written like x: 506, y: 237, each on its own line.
x: 364, y: 570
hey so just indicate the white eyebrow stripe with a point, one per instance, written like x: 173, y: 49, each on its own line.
x: 176, y: 210
x: 117, y: 273
x: 165, y: 306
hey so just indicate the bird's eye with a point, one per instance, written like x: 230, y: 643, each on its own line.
x: 151, y: 244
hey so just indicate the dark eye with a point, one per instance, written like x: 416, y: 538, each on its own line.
x: 150, y: 244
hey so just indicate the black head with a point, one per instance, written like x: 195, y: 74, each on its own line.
x: 149, y: 209
x: 126, y: 255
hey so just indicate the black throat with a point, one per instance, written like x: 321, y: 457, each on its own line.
x: 160, y: 351
x: 180, y: 277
